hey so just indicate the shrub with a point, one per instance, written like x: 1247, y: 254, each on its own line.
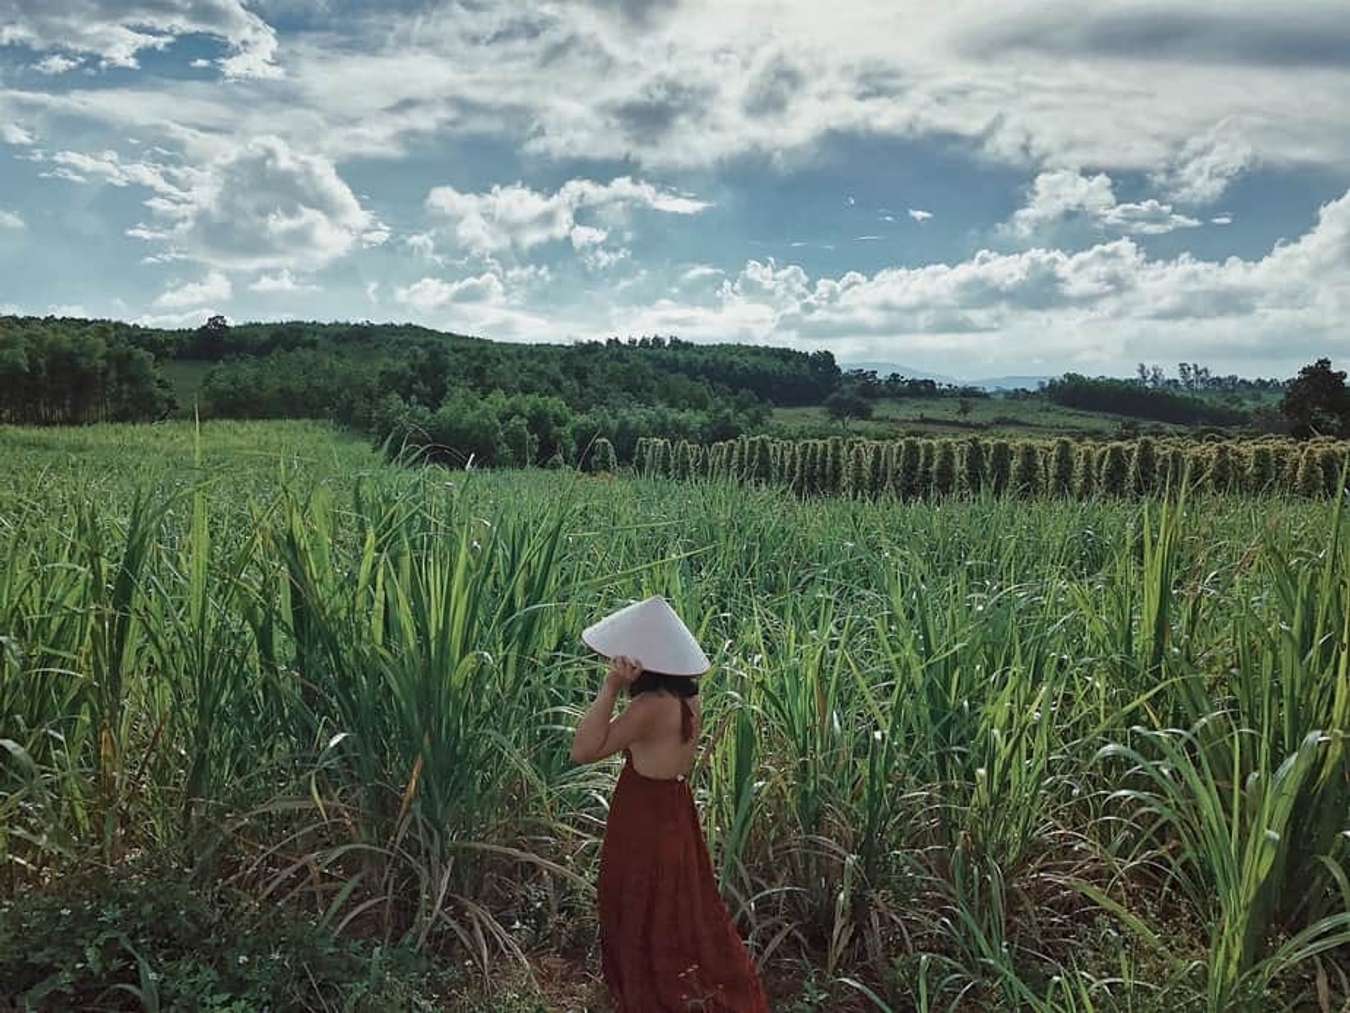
x: 520, y: 445
x: 89, y: 945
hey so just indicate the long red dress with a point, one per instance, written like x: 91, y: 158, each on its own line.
x: 667, y: 942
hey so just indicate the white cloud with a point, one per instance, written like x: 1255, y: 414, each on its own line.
x: 215, y: 287
x: 517, y: 217
x: 282, y: 281
x: 56, y: 64
x: 263, y: 206
x: 700, y: 272
x: 1109, y: 303
x: 11, y: 220
x: 583, y: 236
x: 1067, y: 193
x: 865, y: 239
x: 1192, y: 94
x: 433, y: 293
x: 117, y: 31
x: 602, y: 258
x: 12, y: 133
x: 108, y: 167
x: 424, y: 245
x: 918, y: 214
x: 188, y: 318
x: 1205, y: 165
x: 1221, y: 220
x: 1146, y: 218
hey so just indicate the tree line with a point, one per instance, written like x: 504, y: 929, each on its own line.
x: 458, y: 397
x: 62, y: 372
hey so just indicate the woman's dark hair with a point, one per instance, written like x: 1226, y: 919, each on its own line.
x: 655, y: 682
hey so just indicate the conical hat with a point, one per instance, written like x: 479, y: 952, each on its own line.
x: 651, y: 633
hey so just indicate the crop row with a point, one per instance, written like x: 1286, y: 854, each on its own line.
x: 916, y: 468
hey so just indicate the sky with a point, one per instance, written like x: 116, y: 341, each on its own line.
x: 967, y: 188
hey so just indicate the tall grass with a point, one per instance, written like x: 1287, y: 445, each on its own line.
x: 1035, y: 754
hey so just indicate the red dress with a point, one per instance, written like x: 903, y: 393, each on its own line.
x: 667, y: 942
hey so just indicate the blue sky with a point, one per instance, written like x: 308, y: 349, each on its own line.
x: 967, y: 188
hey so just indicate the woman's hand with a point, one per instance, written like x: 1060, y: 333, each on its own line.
x: 623, y: 672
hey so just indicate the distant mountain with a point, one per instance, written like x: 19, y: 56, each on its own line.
x: 884, y: 369
x: 1014, y: 382
x: 1011, y: 382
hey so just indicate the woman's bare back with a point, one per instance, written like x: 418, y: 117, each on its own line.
x: 663, y: 753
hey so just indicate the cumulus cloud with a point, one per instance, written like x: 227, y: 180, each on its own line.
x: 11, y: 220
x: 118, y: 31
x: 1103, y: 303
x: 282, y: 281
x: 1067, y: 193
x: 520, y: 218
x: 433, y: 293
x: 1201, y: 171
x: 215, y: 287
x: 264, y: 206
x: 56, y: 64
x: 919, y: 215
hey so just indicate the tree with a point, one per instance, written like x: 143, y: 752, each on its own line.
x: 848, y: 403
x: 213, y: 337
x: 1316, y: 401
x: 964, y: 406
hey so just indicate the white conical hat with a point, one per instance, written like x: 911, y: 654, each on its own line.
x: 651, y: 633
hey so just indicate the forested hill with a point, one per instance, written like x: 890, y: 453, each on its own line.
x: 62, y: 370
x: 494, y: 402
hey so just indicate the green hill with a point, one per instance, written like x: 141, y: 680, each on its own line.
x: 467, y: 397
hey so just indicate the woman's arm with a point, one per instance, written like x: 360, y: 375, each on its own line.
x: 597, y: 736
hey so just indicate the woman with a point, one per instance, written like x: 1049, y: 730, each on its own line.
x: 667, y: 942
